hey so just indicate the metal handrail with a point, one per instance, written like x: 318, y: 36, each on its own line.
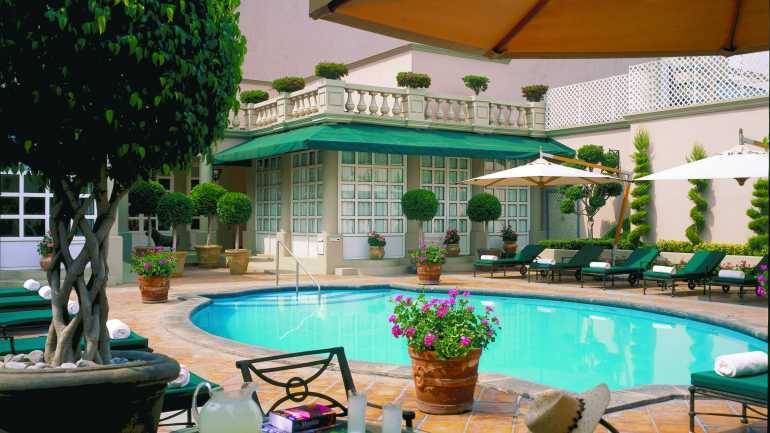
x: 298, y: 267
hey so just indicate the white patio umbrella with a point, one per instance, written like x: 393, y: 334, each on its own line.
x: 542, y: 173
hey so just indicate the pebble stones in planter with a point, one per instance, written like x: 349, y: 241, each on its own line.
x: 36, y: 360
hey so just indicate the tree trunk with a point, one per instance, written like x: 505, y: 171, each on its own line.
x: 237, y: 235
x: 590, y: 227
x: 210, y: 223
x: 173, y: 238
x: 68, y: 219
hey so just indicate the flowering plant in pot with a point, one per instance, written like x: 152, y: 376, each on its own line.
x: 45, y: 249
x: 452, y: 242
x: 376, y: 245
x: 445, y: 338
x: 234, y: 208
x: 153, y: 270
x: 509, y: 240
x: 205, y: 196
x: 176, y: 209
x: 428, y: 260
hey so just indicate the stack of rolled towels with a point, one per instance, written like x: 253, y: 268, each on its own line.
x: 732, y: 273
x: 600, y: 265
x: 741, y: 364
x: 32, y: 285
x: 488, y: 257
x: 664, y: 269
x: 45, y: 292
x: 182, y: 380
x: 117, y: 329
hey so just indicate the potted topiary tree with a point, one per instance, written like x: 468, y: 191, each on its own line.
x: 205, y: 196
x: 143, y: 199
x: 484, y: 207
x: 288, y: 84
x: 254, y: 96
x: 332, y: 71
x: 477, y: 83
x: 234, y: 208
x: 419, y: 205
x: 176, y: 209
x: 112, y: 105
x: 413, y: 80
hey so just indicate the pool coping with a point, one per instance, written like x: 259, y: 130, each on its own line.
x: 178, y: 322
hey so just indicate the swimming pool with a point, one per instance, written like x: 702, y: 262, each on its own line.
x: 564, y: 344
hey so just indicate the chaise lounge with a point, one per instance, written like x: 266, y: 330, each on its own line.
x: 699, y: 269
x: 750, y: 280
x: 522, y: 259
x: 32, y: 301
x: 640, y: 260
x: 749, y: 391
x: 584, y: 256
x: 14, y: 291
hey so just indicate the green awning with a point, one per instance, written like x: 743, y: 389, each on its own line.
x: 390, y: 139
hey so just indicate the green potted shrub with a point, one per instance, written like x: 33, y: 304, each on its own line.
x: 45, y: 251
x: 205, y: 196
x: 176, y: 209
x: 153, y: 270
x: 452, y: 242
x: 254, y: 96
x: 413, y: 80
x: 376, y: 245
x: 288, y: 84
x: 484, y: 207
x: 534, y: 92
x: 477, y: 83
x: 143, y: 199
x: 234, y: 208
x: 330, y: 70
x: 509, y: 240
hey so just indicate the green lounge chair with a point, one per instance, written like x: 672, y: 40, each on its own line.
x: 178, y: 400
x: 15, y: 291
x: 699, y: 269
x: 749, y: 391
x: 22, y: 345
x: 10, y: 321
x: 750, y: 280
x: 584, y: 256
x: 522, y: 259
x: 639, y: 261
x: 28, y: 302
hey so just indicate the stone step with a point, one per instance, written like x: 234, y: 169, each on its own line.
x: 384, y: 263
x: 384, y: 271
x: 345, y: 272
x: 271, y: 271
x: 459, y: 264
x: 260, y: 258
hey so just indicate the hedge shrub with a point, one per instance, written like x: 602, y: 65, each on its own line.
x: 413, y: 80
x: 693, y: 231
x: 289, y: 84
x: 534, y: 92
x: 254, y: 96
x: 663, y: 245
x: 332, y: 71
x: 484, y: 207
x: 477, y: 83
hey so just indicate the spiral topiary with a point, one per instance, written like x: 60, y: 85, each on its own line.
x: 694, y: 230
x: 759, y: 216
x: 641, y: 192
x: 484, y: 207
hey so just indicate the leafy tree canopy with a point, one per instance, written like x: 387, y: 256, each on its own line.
x: 234, y: 208
x: 144, y: 197
x: 205, y: 196
x: 484, y: 207
x: 419, y: 205
x: 175, y: 208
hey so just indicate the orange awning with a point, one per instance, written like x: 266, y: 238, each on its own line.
x: 563, y: 28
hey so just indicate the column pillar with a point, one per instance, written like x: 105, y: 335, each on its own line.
x: 115, y: 250
x: 333, y: 254
x: 478, y: 235
x: 249, y: 231
x: 411, y: 239
x: 284, y: 225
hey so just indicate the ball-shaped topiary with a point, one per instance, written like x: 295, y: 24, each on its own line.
x: 413, y: 80
x: 484, y: 207
x: 234, y: 208
x: 289, y: 84
x: 144, y: 196
x: 174, y: 209
x: 332, y: 71
x: 254, y: 96
x: 205, y: 197
x: 419, y: 205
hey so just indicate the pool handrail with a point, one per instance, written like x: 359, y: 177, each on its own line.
x: 299, y: 266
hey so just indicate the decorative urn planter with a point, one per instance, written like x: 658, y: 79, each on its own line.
x: 453, y: 250
x: 115, y: 398
x: 208, y: 255
x: 238, y: 260
x: 444, y: 386
x: 376, y: 253
x: 45, y: 261
x: 510, y: 247
x: 181, y: 257
x: 154, y: 289
x: 429, y: 273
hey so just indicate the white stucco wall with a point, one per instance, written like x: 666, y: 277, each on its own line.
x: 381, y: 72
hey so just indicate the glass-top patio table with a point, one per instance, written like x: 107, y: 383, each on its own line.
x: 341, y: 428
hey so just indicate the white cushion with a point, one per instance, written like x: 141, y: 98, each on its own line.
x: 664, y: 269
x: 602, y: 265
x: 545, y: 261
x: 488, y: 257
x: 730, y: 273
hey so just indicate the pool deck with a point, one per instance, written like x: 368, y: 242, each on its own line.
x: 170, y: 332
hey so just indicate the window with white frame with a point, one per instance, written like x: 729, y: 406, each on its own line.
x: 444, y: 176
x: 306, y: 192
x: 138, y: 222
x: 371, y: 186
x: 267, y: 195
x: 194, y: 180
x: 514, y: 200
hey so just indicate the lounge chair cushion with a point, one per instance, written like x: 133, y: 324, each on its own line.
x: 499, y: 262
x: 25, y: 317
x: 750, y: 281
x: 180, y: 398
x: 664, y: 276
x: 23, y: 302
x: 754, y: 387
x: 22, y: 345
x: 610, y: 271
x: 14, y: 291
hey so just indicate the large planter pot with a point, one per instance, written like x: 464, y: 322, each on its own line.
x: 154, y: 289
x: 45, y: 261
x: 444, y: 386
x: 452, y: 250
x: 237, y: 260
x: 429, y: 273
x: 510, y: 247
x: 208, y: 255
x: 181, y: 257
x: 124, y: 398
x: 376, y: 253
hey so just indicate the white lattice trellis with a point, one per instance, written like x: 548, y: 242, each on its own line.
x: 586, y: 103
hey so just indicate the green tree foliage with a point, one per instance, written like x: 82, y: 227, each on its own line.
x: 143, y: 198
x: 204, y: 197
x: 477, y: 83
x: 419, y: 205
x: 484, y: 207
x: 289, y: 84
x: 758, y: 214
x: 642, y: 197
x: 534, y: 92
x: 126, y: 90
x: 694, y: 230
x: 254, y: 96
x: 175, y: 209
x: 413, y: 80
x: 590, y: 198
x: 332, y: 71
x: 234, y: 208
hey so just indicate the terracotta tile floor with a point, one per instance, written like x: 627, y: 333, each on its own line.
x: 494, y: 409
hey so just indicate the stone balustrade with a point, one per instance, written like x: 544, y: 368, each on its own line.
x: 339, y: 100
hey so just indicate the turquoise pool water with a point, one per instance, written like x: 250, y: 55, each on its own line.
x: 563, y: 344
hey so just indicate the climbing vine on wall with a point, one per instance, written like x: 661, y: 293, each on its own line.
x: 641, y: 192
x: 694, y: 230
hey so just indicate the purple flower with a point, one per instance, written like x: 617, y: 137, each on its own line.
x: 147, y: 266
x: 761, y: 278
x: 434, y: 301
x: 162, y: 262
x: 396, y: 331
x: 495, y: 320
x: 760, y: 291
x: 408, y: 301
x: 441, y: 311
x: 490, y: 332
x: 425, y: 308
x: 410, y: 331
x: 453, y: 293
x: 465, y: 340
x: 466, y: 293
x: 763, y: 266
x: 429, y: 339
x: 485, y: 322
x: 470, y: 308
x: 399, y: 298
x: 450, y: 301
x: 489, y: 308
x: 392, y: 318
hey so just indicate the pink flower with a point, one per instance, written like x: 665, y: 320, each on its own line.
x: 410, y: 331
x: 425, y: 308
x: 760, y: 291
x: 434, y: 301
x: 489, y: 308
x: 496, y: 321
x: 50, y: 245
x: 392, y: 318
x: 450, y: 301
x: 453, y: 292
x: 396, y: 331
x: 466, y: 293
x: 761, y: 278
x: 399, y: 298
x: 147, y: 266
x: 490, y: 332
x: 429, y: 339
x: 408, y: 301
x: 465, y: 340
x: 441, y: 311
x: 485, y: 322
x: 470, y: 308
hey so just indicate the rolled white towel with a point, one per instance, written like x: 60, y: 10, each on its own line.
x: 602, y: 265
x: 117, y: 329
x: 45, y: 292
x: 546, y: 261
x: 729, y: 273
x: 741, y: 364
x: 664, y: 269
x: 489, y: 257
x: 32, y: 285
x: 73, y: 307
x: 182, y: 380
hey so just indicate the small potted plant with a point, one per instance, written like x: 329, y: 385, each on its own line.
x: 176, y: 209
x: 452, y: 242
x: 234, y: 208
x: 534, y: 92
x: 429, y: 260
x: 509, y: 240
x: 288, y: 84
x: 143, y: 199
x: 254, y: 96
x: 445, y: 338
x: 477, y: 83
x: 153, y: 270
x: 330, y: 70
x: 376, y: 246
x: 413, y: 80
x: 205, y: 197
x: 45, y: 250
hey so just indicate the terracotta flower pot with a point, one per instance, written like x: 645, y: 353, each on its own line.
x: 510, y: 247
x: 154, y: 289
x: 452, y: 250
x: 444, y: 386
x: 237, y: 260
x: 376, y: 253
x: 208, y: 255
x: 181, y: 256
x: 429, y: 273
x: 45, y: 261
